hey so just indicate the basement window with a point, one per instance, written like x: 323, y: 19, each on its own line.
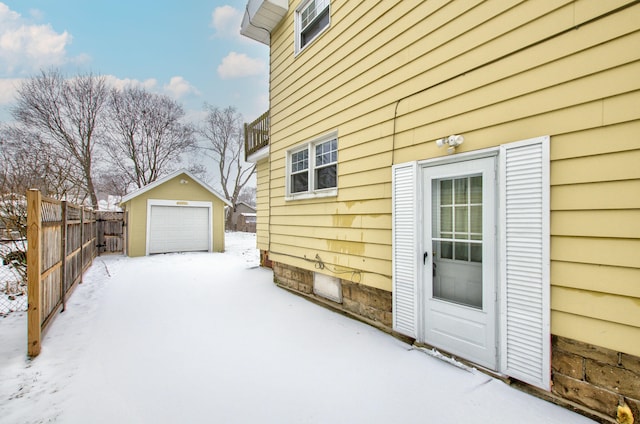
x: 327, y: 287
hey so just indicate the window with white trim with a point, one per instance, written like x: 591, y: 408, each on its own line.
x: 312, y: 169
x: 311, y: 19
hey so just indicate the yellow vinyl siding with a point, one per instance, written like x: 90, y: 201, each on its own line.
x: 382, y: 222
x: 423, y: 67
x: 623, y: 281
x: 365, y: 177
x: 392, y: 77
x: 361, y: 240
x: 610, y: 167
x: 612, y: 223
x: 604, y: 251
x: 370, y: 207
x: 604, y: 195
x: 622, y: 338
x: 262, y: 204
x: 592, y: 142
x: 595, y: 304
x: 490, y: 73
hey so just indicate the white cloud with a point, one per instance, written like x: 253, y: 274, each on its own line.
x: 178, y: 87
x: 8, y: 88
x: 239, y: 65
x: 120, y: 83
x: 7, y: 14
x: 25, y: 47
x: 226, y: 21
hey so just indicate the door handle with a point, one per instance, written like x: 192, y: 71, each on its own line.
x: 424, y: 258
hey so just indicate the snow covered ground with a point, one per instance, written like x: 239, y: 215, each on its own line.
x: 208, y: 338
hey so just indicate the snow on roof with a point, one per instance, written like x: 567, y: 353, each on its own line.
x: 247, y: 205
x: 110, y: 204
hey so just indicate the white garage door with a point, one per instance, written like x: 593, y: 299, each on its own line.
x: 178, y: 229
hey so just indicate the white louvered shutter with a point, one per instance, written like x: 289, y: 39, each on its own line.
x: 404, y: 248
x: 525, y: 307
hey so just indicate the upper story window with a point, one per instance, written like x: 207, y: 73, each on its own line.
x: 312, y: 18
x: 312, y: 169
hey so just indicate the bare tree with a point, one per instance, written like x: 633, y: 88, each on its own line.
x: 30, y: 162
x: 222, y: 130
x: 248, y: 195
x: 64, y: 113
x: 113, y: 182
x: 146, y: 135
x: 197, y: 169
x: 27, y: 162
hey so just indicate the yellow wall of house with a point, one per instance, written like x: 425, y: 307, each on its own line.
x: 262, y: 204
x: 392, y: 77
x: 171, y: 190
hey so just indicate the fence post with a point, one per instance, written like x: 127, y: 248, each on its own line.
x: 94, y: 226
x: 34, y: 258
x: 81, y: 243
x: 96, y: 233
x: 125, y: 233
x: 63, y: 254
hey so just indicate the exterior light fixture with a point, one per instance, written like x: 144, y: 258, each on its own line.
x: 452, y: 142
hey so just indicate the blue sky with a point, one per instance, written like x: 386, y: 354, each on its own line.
x: 190, y: 50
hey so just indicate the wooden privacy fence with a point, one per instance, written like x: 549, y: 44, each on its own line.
x: 111, y: 232
x: 61, y: 240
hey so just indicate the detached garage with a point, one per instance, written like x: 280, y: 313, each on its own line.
x: 178, y: 213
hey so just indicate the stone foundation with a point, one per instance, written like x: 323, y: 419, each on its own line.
x: 597, y: 378
x: 366, y: 303
x: 293, y: 278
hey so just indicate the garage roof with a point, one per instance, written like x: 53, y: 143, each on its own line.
x: 170, y: 177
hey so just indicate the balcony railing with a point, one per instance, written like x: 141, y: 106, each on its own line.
x: 256, y: 135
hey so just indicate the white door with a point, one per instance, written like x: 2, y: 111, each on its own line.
x: 459, y: 259
x: 178, y: 229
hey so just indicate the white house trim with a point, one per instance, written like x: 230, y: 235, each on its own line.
x: 523, y: 221
x: 525, y: 306
x: 405, y: 249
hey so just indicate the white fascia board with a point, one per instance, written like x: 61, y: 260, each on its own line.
x: 256, y: 157
x: 169, y: 177
x: 261, y: 17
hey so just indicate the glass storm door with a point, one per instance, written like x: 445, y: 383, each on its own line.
x: 459, y: 274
